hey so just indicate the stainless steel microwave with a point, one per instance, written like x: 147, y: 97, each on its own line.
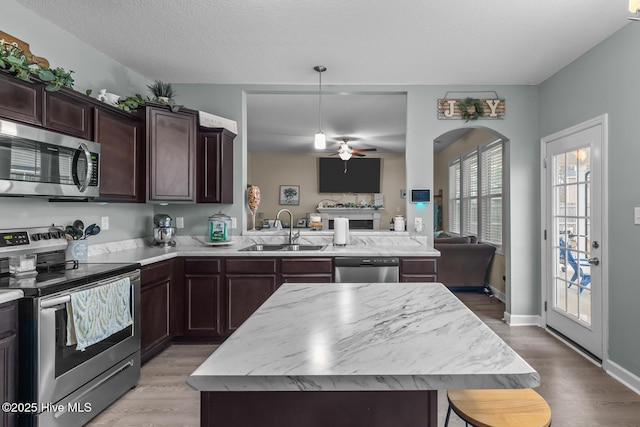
x: 37, y: 162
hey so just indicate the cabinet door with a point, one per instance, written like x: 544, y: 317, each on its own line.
x: 203, y: 295
x: 8, y: 359
x: 121, y: 156
x: 155, y: 295
x: 171, y: 154
x: 68, y: 114
x: 20, y: 100
x: 215, y: 166
x: 245, y: 293
x: 204, y: 305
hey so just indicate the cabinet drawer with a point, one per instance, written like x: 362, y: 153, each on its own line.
x: 202, y: 266
x: 419, y: 278
x: 154, y: 272
x: 419, y: 266
x: 251, y: 265
x: 8, y: 319
x: 307, y: 265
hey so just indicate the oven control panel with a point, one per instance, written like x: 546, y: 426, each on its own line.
x: 17, y: 238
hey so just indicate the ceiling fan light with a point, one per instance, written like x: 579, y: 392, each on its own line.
x: 320, y: 141
x: 345, y: 155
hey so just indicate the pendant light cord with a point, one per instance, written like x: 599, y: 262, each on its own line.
x: 320, y: 100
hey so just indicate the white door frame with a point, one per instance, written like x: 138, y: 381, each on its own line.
x: 604, y: 254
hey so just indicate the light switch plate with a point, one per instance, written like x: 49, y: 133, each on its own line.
x: 234, y: 222
x: 180, y: 222
x: 104, y: 223
x: 417, y: 224
x: 636, y: 216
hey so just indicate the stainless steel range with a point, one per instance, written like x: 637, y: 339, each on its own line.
x: 65, y: 380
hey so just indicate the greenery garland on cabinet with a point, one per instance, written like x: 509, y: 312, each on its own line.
x: 14, y: 61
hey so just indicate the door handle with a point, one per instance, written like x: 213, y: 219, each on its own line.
x: 594, y: 261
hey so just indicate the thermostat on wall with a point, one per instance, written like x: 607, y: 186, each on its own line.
x: 420, y: 196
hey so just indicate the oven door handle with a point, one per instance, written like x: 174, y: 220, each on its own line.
x: 55, y: 301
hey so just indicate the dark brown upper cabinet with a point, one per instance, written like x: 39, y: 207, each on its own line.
x: 20, y: 100
x: 122, y: 172
x: 215, y: 165
x: 66, y: 112
x: 171, y: 155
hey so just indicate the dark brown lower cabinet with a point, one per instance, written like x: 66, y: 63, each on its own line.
x: 203, y: 297
x: 306, y: 270
x: 155, y: 307
x: 248, y: 282
x: 8, y: 359
x: 419, y: 269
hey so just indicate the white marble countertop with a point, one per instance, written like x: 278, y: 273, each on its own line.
x: 8, y: 295
x: 359, y: 336
x: 362, y: 244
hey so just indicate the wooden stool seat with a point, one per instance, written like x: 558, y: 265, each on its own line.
x: 497, y: 408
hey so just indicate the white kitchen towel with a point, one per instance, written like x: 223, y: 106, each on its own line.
x: 340, y: 231
x: 97, y: 313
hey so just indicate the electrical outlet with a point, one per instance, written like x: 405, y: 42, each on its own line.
x: 104, y: 223
x: 417, y: 224
x: 179, y: 222
x: 234, y: 222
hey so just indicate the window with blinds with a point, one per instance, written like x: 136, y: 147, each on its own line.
x: 491, y: 193
x: 454, y: 196
x: 475, y: 193
x: 470, y: 194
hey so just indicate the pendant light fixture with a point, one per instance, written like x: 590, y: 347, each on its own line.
x: 320, y: 142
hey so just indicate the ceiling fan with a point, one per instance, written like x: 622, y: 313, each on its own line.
x: 346, y: 152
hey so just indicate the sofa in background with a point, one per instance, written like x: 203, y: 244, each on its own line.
x: 464, y: 262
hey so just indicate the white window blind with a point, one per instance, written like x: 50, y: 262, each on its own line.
x: 454, y: 196
x: 470, y: 194
x: 475, y: 193
x: 491, y: 192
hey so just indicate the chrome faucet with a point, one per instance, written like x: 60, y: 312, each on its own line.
x: 292, y: 237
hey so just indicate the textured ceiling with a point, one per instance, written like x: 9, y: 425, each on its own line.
x: 360, y: 41
x: 377, y: 42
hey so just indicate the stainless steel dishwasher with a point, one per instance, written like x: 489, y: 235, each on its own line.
x: 367, y: 269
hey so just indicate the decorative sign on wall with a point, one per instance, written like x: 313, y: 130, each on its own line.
x: 470, y: 108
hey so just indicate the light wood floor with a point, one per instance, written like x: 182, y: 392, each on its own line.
x: 580, y: 394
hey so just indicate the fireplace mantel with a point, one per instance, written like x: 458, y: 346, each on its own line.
x: 370, y: 214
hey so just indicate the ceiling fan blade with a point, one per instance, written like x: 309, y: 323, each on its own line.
x: 358, y: 154
x: 359, y: 150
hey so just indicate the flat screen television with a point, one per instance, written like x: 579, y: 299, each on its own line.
x: 362, y: 175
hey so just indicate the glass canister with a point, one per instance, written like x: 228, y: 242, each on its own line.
x: 219, y: 228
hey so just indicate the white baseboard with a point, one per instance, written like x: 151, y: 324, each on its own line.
x: 498, y: 294
x: 625, y: 377
x: 522, y: 320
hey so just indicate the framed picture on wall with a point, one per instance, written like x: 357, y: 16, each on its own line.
x: 290, y: 195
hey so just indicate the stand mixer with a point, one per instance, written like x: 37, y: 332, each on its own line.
x: 164, y: 231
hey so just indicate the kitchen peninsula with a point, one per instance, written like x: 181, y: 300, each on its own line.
x: 352, y: 354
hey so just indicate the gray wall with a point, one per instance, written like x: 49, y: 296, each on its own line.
x: 605, y: 80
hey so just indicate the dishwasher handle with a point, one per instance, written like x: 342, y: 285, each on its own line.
x: 378, y: 261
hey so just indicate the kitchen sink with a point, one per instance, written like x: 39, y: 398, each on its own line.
x: 283, y: 247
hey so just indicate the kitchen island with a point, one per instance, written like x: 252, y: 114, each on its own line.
x: 352, y: 354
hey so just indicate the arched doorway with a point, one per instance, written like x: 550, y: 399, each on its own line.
x: 470, y: 182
